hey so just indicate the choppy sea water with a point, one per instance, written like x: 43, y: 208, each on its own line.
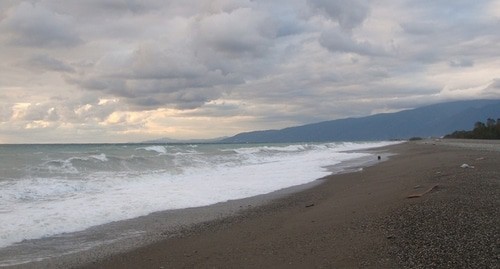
x: 55, y: 190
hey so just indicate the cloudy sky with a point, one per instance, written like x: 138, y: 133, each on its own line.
x: 132, y: 70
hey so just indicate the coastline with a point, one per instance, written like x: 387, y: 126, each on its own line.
x: 357, y: 219
x: 95, y: 243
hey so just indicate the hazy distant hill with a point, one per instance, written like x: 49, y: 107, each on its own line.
x: 434, y: 120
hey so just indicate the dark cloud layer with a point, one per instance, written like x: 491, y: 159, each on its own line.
x: 348, y: 14
x: 336, y: 41
x: 45, y: 62
x: 33, y: 25
x: 126, y: 70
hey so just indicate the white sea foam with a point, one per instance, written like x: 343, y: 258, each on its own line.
x: 101, y: 157
x: 34, y: 207
x: 63, y: 166
x: 158, y: 149
x: 289, y: 148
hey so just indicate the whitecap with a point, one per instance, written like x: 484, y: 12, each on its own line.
x: 158, y: 149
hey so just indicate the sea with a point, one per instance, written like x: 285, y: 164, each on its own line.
x: 59, y: 190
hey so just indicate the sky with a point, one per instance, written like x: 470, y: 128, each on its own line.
x: 132, y: 70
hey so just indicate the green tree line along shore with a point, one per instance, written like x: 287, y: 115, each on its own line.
x: 488, y: 130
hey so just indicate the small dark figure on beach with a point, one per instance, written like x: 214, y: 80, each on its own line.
x: 379, y: 157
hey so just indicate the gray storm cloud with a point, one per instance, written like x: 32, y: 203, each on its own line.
x: 33, y: 25
x: 45, y: 62
x: 349, y: 14
x: 107, y: 67
x: 336, y: 41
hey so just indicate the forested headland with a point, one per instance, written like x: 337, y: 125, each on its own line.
x: 488, y: 130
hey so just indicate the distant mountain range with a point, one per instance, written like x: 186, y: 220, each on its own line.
x: 429, y: 121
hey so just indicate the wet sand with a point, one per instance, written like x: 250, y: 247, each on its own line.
x: 362, y: 219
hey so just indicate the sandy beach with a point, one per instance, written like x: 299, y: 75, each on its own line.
x: 363, y: 219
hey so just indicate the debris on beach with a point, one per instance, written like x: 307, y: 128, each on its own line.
x: 466, y: 166
x: 418, y: 195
